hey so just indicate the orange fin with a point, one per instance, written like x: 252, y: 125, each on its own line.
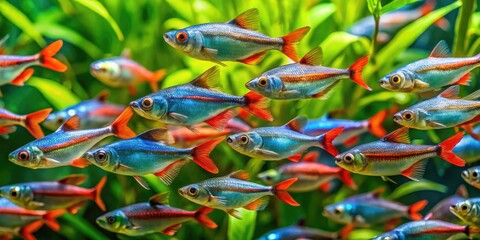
x: 210, y: 79
x: 414, y: 209
x: 258, y: 105
x: 202, y: 218
x: 356, y: 72
x: 465, y: 80
x: 327, y: 140
x: 451, y: 92
x: 170, y: 172
x: 311, y: 156
x: 159, y: 199
x: 249, y: 19
x: 325, y: 187
x: 23, y: 77
x: 50, y: 219
x: 314, y: 57
x: 74, y: 208
x: 346, y: 231
x: 392, y: 224
x: 26, y: 231
x: 156, y: 77
x: 258, y: 204
x: 71, y: 124
x: 74, y: 179
x: 375, y: 124
x: 119, y: 126
x: 103, y: 95
x: 157, y: 135
x: 220, y: 121
x: 200, y: 155
x: 170, y: 231
x: 7, y: 130
x: 33, y: 120
x: 441, y: 50
x: 132, y: 90
x: 398, y: 136
x: 280, y: 190
x: 240, y: 174
x: 96, y: 193
x: 80, y: 163
x: 290, y: 41
x: 416, y: 171
x: 254, y: 59
x: 47, y: 60
x: 345, y: 177
x: 351, y: 141
x: 469, y: 130
x: 446, y: 148
x: 296, y: 124
x: 295, y: 158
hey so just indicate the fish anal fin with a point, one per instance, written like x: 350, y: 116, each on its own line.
x: 465, y: 80
x: 169, y: 173
x: 170, y: 231
x: 220, y: 121
x: 416, y: 171
x: 258, y: 204
x: 295, y: 158
x: 23, y: 77
x: 254, y: 59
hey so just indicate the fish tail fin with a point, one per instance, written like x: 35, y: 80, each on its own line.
x: 33, y: 120
x: 326, y: 140
x: 356, y: 72
x: 50, y: 219
x: 345, y: 177
x: 414, y: 209
x: 258, y: 105
x: 201, y: 154
x: 26, y: 231
x: 46, y: 57
x: 280, y: 190
x: 375, y: 124
x: 471, y: 229
x: 120, y: 128
x: 96, y: 193
x: 427, y: 7
x: 201, y: 215
x: 289, y: 42
x: 156, y: 77
x: 446, y: 148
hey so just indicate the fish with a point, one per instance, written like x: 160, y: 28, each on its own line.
x: 444, y: 111
x: 469, y: 147
x: 351, y: 129
x: 235, y: 40
x: 427, y: 230
x: 16, y: 69
x: 441, y: 211
x: 124, y: 72
x: 235, y: 191
x: 277, y: 143
x: 15, y: 220
x: 197, y: 102
x: 394, y: 155
x: 54, y: 195
x: 306, y: 78
x: 311, y: 175
x: 68, y: 144
x: 152, y: 217
x: 30, y: 121
x: 94, y: 113
x: 148, y: 154
x: 471, y: 176
x: 468, y: 211
x: 431, y: 73
x: 297, y: 232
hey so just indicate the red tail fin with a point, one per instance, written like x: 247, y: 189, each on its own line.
x: 200, y: 155
x: 258, y: 105
x: 375, y: 124
x: 356, y: 72
x: 202, y: 218
x: 344, y: 175
x: 289, y: 42
x: 327, y: 140
x: 446, y: 148
x: 50, y: 219
x: 156, y: 77
x: 26, y: 231
x: 33, y: 120
x: 414, y: 209
x: 47, y: 60
x: 119, y: 126
x: 96, y: 193
x: 280, y: 190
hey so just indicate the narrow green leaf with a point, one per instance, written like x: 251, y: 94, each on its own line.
x: 19, y: 19
x: 416, y: 186
x: 58, y: 95
x: 99, y: 9
x: 371, y: 6
x: 83, y: 227
x: 394, y: 5
x: 462, y: 26
x: 240, y: 229
x: 364, y: 234
x: 337, y: 42
x: 156, y: 184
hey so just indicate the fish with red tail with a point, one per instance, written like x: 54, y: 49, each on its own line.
x: 30, y: 121
x: 61, y: 194
x: 235, y: 191
x: 152, y: 217
x: 428, y: 230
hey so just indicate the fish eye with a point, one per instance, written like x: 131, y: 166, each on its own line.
x: 192, y: 191
x: 14, y: 192
x: 101, y: 156
x: 268, y: 178
x: 407, y: 115
x: 243, y: 139
x: 475, y: 175
x: 464, y: 207
x: 23, y: 155
x: 395, y: 79
x: 147, y: 103
x: 262, y: 82
x: 337, y: 211
x: 182, y: 36
x: 59, y: 120
x: 111, y: 219
x: 348, y: 158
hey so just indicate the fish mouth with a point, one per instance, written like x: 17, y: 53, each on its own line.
x: 181, y: 191
x: 89, y: 155
x: 134, y: 105
x: 465, y: 174
x: 383, y: 83
x: 100, y: 221
x: 397, y: 117
x: 229, y: 140
x: 249, y: 85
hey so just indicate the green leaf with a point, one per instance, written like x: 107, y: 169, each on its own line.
x: 156, y: 184
x: 58, y: 95
x: 416, y: 186
x: 99, y: 9
x: 337, y: 42
x: 462, y: 26
x: 394, y: 5
x: 19, y: 19
x: 364, y: 234
x: 240, y: 229
x: 83, y: 227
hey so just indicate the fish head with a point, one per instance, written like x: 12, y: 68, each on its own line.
x: 115, y: 221
x: 107, y: 71
x: 393, y: 235
x: 196, y: 193
x: 352, y: 160
x: 340, y: 212
x: 21, y: 195
x: 465, y: 210
x: 103, y: 157
x: 27, y: 156
x: 471, y: 175
x: 55, y: 120
x: 245, y: 142
x: 411, y: 117
x: 267, y: 85
x: 150, y: 107
x: 399, y: 81
x: 271, y: 176
x: 187, y: 40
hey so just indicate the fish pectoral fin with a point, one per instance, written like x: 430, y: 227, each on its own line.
x: 435, y: 124
x: 258, y: 204
x: 45, y: 159
x: 387, y: 179
x: 267, y: 152
x: 170, y: 172
x: 23, y: 77
x: 211, y: 55
x: 359, y: 220
x: 178, y: 116
x: 80, y: 163
x: 170, y: 231
x: 74, y: 208
x: 416, y: 171
x: 142, y: 182
x: 289, y: 92
x: 234, y: 213
x: 218, y: 199
x: 132, y: 226
x: 419, y: 84
x: 464, y: 80
x: 34, y: 204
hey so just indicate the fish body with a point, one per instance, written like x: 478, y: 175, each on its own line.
x: 235, y: 40
x: 298, y: 232
x: 155, y: 216
x: 276, y: 143
x: 468, y: 211
x: 68, y: 143
x: 198, y: 102
x: 61, y: 194
x: 426, y: 230
x: 431, y: 73
x: 305, y: 79
x: 16, y: 69
x: 394, y: 155
x: 469, y: 147
x: 29, y: 121
x: 441, y: 211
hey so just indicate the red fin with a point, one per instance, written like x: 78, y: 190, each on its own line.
x: 346, y: 231
x: 465, y: 80
x: 258, y: 105
x: 469, y: 130
x: 132, y: 90
x: 202, y: 218
x: 414, y: 209
x: 170, y: 172
x: 119, y: 126
x: 23, y: 77
x: 344, y: 175
x: 392, y: 224
x: 280, y: 190
x: 325, y: 187
x: 74, y: 179
x: 351, y: 141
x: 289, y: 42
x: 200, y: 155
x: 74, y: 208
x: 33, y: 120
x: 398, y: 136
x: 170, y: 231
x: 295, y: 158
x: 314, y: 57
x: 51, y: 219
x: 254, y: 59
x: 96, y: 193
x: 47, y: 60
x: 356, y: 72
x: 103, y: 95
x: 311, y: 157
x: 296, y: 124
x: 416, y: 171
x: 258, y: 204
x: 72, y: 123
x: 427, y: 7
x: 80, y: 163
x: 26, y: 231
x: 375, y: 124
x: 327, y: 140
x: 221, y: 120
x: 156, y: 77
x: 240, y: 174
x: 451, y: 92
x: 446, y: 148
x: 248, y: 19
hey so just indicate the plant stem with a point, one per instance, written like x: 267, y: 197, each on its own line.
x: 376, y: 18
x: 462, y: 26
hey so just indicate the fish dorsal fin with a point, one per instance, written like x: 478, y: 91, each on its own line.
x: 451, y: 92
x: 75, y: 179
x: 126, y: 53
x: 441, y: 50
x: 249, y: 19
x: 376, y: 193
x: 71, y: 124
x: 398, y: 136
x: 159, y: 199
x: 209, y: 79
x: 301, y: 222
x: 103, y: 95
x: 462, y: 191
x: 240, y: 174
x: 472, y: 96
x: 157, y: 135
x: 311, y: 157
x: 296, y: 124
x: 314, y: 57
